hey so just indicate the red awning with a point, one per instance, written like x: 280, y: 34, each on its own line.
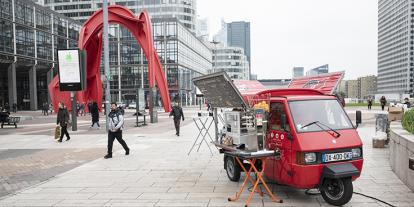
x: 249, y: 87
x: 325, y: 83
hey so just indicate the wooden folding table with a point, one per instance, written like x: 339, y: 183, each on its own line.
x: 252, y: 158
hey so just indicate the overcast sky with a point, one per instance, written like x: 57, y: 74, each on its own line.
x: 308, y: 33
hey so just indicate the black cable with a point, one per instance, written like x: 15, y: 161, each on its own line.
x: 361, y: 194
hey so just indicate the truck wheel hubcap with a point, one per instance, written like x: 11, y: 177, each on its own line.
x: 230, y: 168
x: 334, y: 189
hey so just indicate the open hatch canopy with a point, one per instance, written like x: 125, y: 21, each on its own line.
x: 220, y: 91
x: 325, y: 83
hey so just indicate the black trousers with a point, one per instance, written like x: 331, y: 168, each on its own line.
x: 64, y: 131
x: 369, y: 106
x: 118, y: 136
x: 177, y: 126
x: 382, y: 107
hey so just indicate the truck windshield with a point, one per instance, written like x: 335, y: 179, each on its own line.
x: 328, y: 112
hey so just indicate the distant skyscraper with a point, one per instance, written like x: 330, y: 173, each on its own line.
x: 318, y: 70
x: 202, y: 29
x: 221, y: 36
x: 298, y: 72
x: 238, y: 35
x: 395, y: 46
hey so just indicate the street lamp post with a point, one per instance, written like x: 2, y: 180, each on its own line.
x: 106, y: 60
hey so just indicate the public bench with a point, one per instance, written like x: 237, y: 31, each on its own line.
x: 140, y: 123
x: 10, y: 120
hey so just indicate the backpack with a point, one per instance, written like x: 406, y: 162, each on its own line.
x: 117, y: 117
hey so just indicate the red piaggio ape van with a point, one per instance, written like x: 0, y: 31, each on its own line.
x: 318, y: 144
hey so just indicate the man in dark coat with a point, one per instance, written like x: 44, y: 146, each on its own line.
x: 95, y: 114
x: 63, y: 120
x: 383, y: 102
x: 177, y: 113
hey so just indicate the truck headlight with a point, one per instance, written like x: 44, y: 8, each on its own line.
x: 310, y: 157
x: 356, y: 153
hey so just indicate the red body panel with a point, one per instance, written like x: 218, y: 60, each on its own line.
x: 90, y: 39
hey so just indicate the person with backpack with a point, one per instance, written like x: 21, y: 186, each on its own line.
x: 116, y: 122
x: 177, y: 113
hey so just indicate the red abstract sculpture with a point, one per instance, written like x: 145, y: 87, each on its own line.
x: 90, y: 39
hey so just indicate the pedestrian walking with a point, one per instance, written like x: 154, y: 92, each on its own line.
x: 63, y: 121
x: 45, y: 109
x: 89, y: 107
x: 369, y: 103
x: 95, y: 115
x: 383, y: 102
x: 177, y: 113
x: 115, y: 126
x: 15, y: 107
x: 7, y: 107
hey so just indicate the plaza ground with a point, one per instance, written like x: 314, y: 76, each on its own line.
x: 158, y: 172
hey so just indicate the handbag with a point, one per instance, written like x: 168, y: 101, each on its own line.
x: 57, y: 132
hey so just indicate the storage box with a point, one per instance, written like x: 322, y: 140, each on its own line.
x: 395, y: 113
x: 378, y: 140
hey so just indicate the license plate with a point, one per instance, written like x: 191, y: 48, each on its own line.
x: 337, y: 156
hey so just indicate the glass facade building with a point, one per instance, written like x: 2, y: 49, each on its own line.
x: 232, y: 60
x: 238, y: 35
x: 395, y: 46
x: 184, y: 10
x: 29, y: 38
x: 182, y: 55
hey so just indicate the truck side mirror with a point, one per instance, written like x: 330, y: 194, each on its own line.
x: 283, y: 121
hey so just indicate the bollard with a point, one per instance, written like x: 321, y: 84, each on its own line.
x: 358, y: 118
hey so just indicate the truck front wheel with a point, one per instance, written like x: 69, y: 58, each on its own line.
x: 232, y: 168
x: 337, y: 191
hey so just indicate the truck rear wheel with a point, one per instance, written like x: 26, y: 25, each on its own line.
x: 232, y: 168
x: 337, y: 191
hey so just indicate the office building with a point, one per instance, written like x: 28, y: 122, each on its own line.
x: 367, y: 86
x: 181, y: 53
x: 174, y: 28
x: 318, y: 70
x: 231, y: 60
x: 29, y: 38
x: 395, y: 47
x: 238, y: 35
x: 298, y: 72
x: 352, y: 89
x: 184, y: 10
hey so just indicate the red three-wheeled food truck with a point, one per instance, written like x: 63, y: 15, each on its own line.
x: 318, y: 144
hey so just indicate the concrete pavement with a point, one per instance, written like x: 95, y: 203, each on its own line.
x: 158, y: 172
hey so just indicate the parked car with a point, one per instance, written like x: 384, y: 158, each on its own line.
x: 132, y: 105
x: 120, y: 104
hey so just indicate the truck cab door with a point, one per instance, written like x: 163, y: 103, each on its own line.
x: 279, y: 138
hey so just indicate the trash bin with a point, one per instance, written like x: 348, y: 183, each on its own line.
x: 380, y: 139
x: 381, y: 123
x: 154, y: 116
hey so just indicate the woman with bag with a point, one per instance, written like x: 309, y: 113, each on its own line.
x: 63, y: 121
